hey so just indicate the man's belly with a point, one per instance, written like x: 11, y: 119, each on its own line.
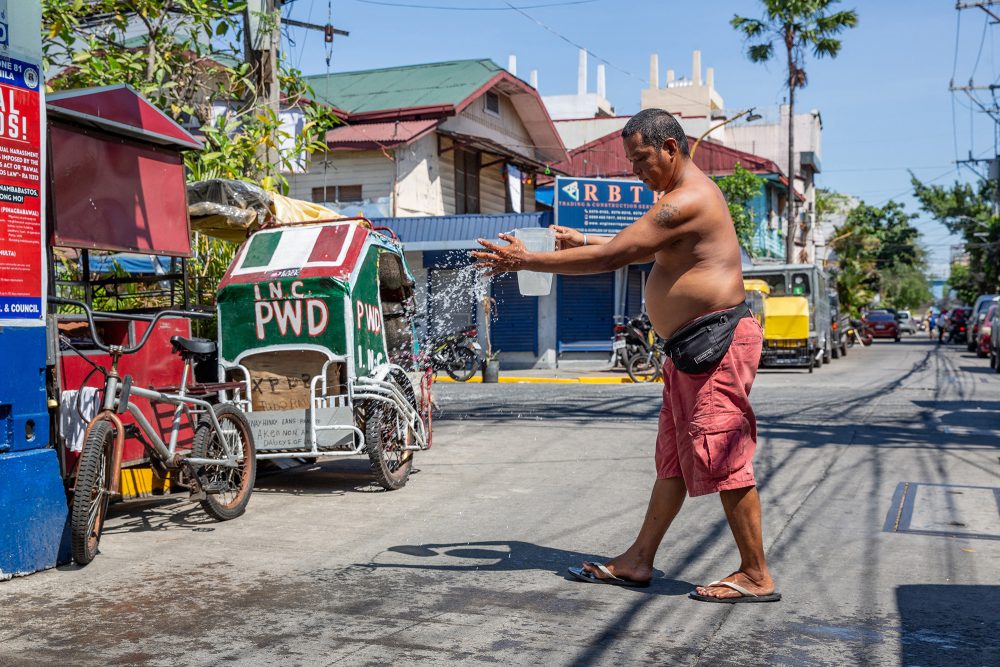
x: 673, y: 302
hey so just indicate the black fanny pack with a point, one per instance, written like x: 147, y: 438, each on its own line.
x: 702, y: 343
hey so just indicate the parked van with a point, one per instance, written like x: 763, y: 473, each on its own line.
x: 809, y: 282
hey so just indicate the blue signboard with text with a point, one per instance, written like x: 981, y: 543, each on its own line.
x: 600, y: 205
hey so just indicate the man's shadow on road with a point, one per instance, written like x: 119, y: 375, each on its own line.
x: 507, y: 556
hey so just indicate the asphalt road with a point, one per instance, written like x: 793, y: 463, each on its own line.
x: 878, y: 475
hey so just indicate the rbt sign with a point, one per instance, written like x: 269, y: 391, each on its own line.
x: 601, y: 205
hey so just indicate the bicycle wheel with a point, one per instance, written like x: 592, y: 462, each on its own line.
x: 386, y: 436
x: 227, y: 490
x: 462, y: 364
x: 643, y: 367
x: 92, y: 491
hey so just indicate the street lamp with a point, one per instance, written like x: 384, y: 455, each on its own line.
x: 749, y: 113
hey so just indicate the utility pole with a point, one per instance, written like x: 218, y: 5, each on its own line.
x: 261, y: 39
x: 262, y: 43
x: 985, y: 6
x: 970, y: 90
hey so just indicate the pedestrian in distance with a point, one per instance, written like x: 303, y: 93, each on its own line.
x: 695, y: 299
x: 931, y: 323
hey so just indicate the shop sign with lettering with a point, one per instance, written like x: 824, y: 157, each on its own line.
x: 600, y: 205
x: 22, y: 274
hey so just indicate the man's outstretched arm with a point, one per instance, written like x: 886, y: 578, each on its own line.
x: 636, y: 243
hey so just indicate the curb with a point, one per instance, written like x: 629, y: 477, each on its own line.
x: 543, y: 380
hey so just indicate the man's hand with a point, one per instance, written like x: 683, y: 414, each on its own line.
x: 501, y: 259
x: 567, y: 237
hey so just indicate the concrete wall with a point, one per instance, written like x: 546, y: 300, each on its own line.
x: 370, y: 169
x: 507, y: 130
x: 588, y: 105
x: 419, y: 188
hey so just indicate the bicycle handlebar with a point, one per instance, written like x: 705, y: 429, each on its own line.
x: 145, y: 336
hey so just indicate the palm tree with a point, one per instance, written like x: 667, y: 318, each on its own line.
x: 797, y: 25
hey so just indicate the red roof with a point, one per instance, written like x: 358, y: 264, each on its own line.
x: 121, y: 110
x: 605, y: 157
x: 378, y: 135
x: 718, y: 160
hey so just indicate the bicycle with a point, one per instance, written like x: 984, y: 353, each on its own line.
x: 457, y: 354
x: 220, y: 468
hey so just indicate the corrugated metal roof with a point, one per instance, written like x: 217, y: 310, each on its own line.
x: 605, y: 157
x: 373, y: 135
x: 458, y: 232
x: 398, y: 87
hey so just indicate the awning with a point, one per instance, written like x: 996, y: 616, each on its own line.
x: 480, y: 143
x: 371, y: 136
x: 545, y: 194
x: 458, y: 232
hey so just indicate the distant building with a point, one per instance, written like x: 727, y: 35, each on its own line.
x: 445, y: 138
x: 584, y: 104
x: 770, y: 139
x: 823, y: 232
x: 693, y: 98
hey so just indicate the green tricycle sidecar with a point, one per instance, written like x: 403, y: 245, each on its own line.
x: 317, y: 320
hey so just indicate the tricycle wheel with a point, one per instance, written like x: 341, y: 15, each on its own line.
x: 227, y: 489
x: 386, y: 438
x: 92, y: 491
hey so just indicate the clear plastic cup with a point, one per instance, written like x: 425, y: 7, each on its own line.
x: 535, y: 239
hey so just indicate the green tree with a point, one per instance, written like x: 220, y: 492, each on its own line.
x: 186, y: 57
x: 960, y: 279
x: 798, y: 26
x: 739, y: 189
x: 879, y: 252
x: 967, y: 210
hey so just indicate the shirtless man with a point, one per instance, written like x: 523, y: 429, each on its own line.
x: 707, y: 430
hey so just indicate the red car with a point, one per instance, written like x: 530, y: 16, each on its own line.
x: 882, y: 324
x: 983, y: 335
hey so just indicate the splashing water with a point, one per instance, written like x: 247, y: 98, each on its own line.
x: 454, y: 296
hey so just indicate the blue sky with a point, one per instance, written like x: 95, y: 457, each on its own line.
x: 884, y: 101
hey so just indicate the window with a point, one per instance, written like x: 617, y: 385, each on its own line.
x: 800, y: 284
x: 466, y: 181
x: 349, y: 193
x: 337, y: 193
x: 491, y: 103
x: 776, y: 283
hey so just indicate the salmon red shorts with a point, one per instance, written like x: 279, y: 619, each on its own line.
x: 708, y: 432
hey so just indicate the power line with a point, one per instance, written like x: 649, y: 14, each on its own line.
x: 571, y: 42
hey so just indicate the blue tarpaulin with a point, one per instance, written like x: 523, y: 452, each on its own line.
x: 130, y: 263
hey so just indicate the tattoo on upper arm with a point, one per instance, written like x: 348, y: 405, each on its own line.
x: 666, y: 215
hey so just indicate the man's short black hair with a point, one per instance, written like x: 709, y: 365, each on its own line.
x: 656, y: 126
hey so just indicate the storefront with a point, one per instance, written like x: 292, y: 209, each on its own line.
x: 574, y: 322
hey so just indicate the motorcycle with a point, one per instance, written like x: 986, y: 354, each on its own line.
x: 639, y: 349
x: 859, y: 332
x: 457, y: 354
